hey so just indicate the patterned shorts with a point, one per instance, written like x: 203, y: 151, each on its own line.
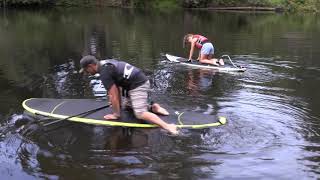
x: 139, y: 98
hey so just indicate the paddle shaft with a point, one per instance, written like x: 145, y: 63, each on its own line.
x: 80, y: 114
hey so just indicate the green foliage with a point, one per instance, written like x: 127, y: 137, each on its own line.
x: 302, y: 5
x: 195, y: 3
x: 48, y: 2
x: 248, y: 2
x: 166, y: 3
x: 289, y: 5
x: 26, y: 2
x: 154, y: 3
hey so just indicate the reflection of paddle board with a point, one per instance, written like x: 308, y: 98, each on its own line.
x: 63, y: 108
x: 98, y: 89
x: 195, y: 63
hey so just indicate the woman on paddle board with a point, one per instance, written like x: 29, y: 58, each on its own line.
x: 116, y: 75
x: 205, y: 46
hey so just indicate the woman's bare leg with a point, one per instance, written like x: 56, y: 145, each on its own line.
x: 204, y: 58
x: 221, y: 62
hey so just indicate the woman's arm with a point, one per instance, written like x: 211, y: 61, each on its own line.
x: 193, y: 44
x: 191, y: 49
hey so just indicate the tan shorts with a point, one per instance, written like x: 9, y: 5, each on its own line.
x: 139, y: 99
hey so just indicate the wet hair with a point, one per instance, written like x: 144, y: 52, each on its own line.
x: 185, y: 39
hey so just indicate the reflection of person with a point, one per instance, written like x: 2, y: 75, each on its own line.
x: 118, y: 74
x: 206, y: 49
x: 199, y: 80
x: 137, y: 138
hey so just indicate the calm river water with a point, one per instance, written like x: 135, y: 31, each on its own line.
x: 273, y: 109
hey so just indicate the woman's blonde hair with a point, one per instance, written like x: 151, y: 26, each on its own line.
x: 185, y: 39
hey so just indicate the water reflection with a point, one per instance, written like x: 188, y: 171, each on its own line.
x: 119, y: 152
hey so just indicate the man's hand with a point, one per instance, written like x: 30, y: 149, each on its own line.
x: 111, y: 116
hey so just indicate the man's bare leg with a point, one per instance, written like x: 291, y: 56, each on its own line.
x: 153, y: 118
x: 156, y: 108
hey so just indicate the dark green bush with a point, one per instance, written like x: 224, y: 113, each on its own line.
x: 302, y: 5
x: 288, y: 5
x: 195, y: 3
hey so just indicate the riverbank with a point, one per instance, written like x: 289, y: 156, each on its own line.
x: 244, y: 5
x: 243, y: 8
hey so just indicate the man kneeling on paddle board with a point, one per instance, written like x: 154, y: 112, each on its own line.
x: 206, y: 49
x: 118, y: 74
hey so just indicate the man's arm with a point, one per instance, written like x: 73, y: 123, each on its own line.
x: 114, y: 98
x: 106, y: 76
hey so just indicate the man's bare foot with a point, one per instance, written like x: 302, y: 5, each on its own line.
x: 156, y: 108
x: 172, y: 128
x: 110, y: 117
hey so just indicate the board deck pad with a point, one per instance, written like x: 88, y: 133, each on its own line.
x: 62, y: 108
